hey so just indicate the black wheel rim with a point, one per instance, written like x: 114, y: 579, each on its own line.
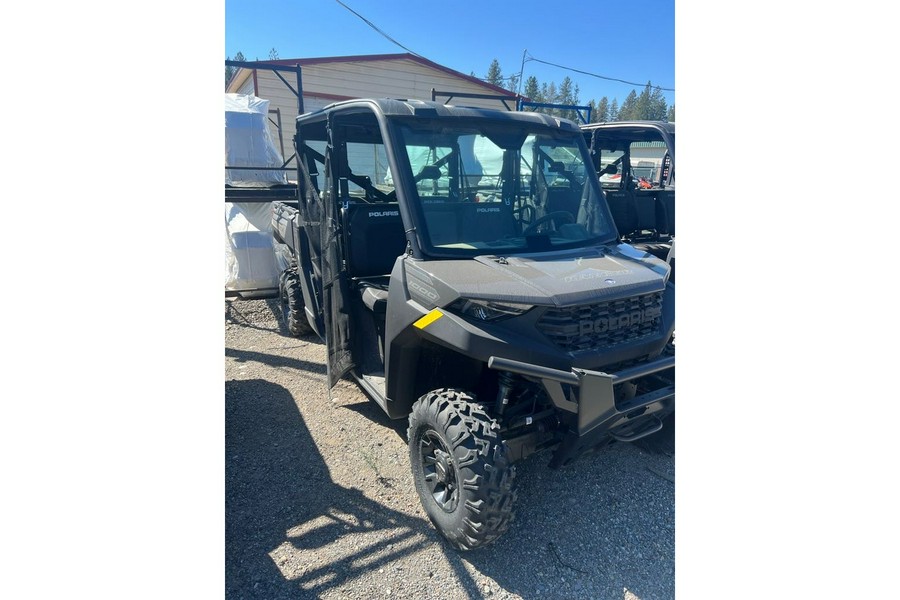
x: 439, y: 471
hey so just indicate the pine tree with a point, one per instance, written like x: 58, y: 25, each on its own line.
x: 273, y: 54
x: 513, y: 83
x: 230, y: 71
x: 602, y: 113
x: 658, y: 107
x: 494, y: 74
x: 627, y: 110
x: 551, y: 97
x: 642, y: 105
x: 670, y: 115
x: 532, y: 90
x: 566, y: 96
x: 614, y: 110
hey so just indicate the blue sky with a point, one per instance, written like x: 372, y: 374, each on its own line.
x: 632, y: 41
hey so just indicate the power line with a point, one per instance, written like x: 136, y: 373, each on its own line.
x: 510, y: 78
x: 530, y: 58
x: 375, y: 27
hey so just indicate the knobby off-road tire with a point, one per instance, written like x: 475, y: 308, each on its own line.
x: 292, y: 304
x: 460, y: 468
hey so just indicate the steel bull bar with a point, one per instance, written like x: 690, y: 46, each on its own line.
x: 598, y: 413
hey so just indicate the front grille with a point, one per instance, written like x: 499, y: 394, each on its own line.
x: 603, y: 325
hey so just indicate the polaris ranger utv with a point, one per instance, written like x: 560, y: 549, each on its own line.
x: 463, y: 267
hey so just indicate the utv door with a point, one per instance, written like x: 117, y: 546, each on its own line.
x: 355, y: 165
x: 309, y: 226
x: 335, y: 281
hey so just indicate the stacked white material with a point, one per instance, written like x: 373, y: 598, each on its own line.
x: 248, y: 143
x: 249, y: 254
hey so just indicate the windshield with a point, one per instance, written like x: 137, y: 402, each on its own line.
x: 496, y: 189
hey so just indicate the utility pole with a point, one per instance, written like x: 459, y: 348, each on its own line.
x: 519, y: 87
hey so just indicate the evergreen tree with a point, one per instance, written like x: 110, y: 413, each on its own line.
x: 627, y: 110
x: 494, y: 75
x: 230, y: 71
x: 650, y: 105
x: 566, y: 95
x: 642, y: 105
x: 658, y: 106
x: 614, y: 110
x: 532, y: 90
x: 670, y: 115
x: 512, y: 83
x: 273, y: 54
x: 602, y: 113
x: 551, y: 96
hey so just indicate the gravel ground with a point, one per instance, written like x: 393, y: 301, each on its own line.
x: 320, y: 501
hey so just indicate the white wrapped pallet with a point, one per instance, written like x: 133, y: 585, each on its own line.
x: 248, y: 143
x: 249, y: 253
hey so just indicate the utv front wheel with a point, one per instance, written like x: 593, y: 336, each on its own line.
x: 460, y: 468
x: 292, y: 304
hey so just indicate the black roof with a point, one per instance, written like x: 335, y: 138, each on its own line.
x: 393, y: 108
x: 609, y: 134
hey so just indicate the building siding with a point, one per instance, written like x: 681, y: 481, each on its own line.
x: 328, y: 82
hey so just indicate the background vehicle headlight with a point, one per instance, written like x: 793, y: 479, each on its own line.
x: 485, y: 310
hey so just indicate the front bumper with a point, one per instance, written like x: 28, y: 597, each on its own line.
x: 591, y: 396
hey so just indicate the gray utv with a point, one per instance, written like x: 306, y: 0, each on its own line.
x: 463, y: 267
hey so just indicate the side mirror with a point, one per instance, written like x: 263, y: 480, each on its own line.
x: 610, y: 169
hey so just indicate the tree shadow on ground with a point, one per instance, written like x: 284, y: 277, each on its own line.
x: 273, y: 360
x: 290, y: 531
x: 238, y: 312
x: 600, y: 526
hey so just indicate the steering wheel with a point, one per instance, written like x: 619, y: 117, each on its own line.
x: 559, y: 215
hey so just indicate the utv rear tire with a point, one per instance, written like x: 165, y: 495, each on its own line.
x: 292, y: 304
x: 460, y: 468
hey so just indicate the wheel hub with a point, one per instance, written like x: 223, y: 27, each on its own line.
x: 439, y: 472
x: 442, y: 467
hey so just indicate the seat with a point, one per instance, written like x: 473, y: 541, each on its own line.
x: 563, y: 199
x: 441, y: 221
x: 650, y: 220
x: 666, y: 199
x: 624, y: 211
x: 486, y: 221
x: 374, y: 238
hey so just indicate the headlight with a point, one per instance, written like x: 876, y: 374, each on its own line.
x: 485, y: 310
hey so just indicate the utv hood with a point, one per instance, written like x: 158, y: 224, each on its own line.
x: 563, y: 278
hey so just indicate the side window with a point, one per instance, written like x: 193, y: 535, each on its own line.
x: 563, y: 166
x: 611, y: 181
x: 360, y: 159
x: 368, y: 165
x: 312, y: 155
x: 646, y: 162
